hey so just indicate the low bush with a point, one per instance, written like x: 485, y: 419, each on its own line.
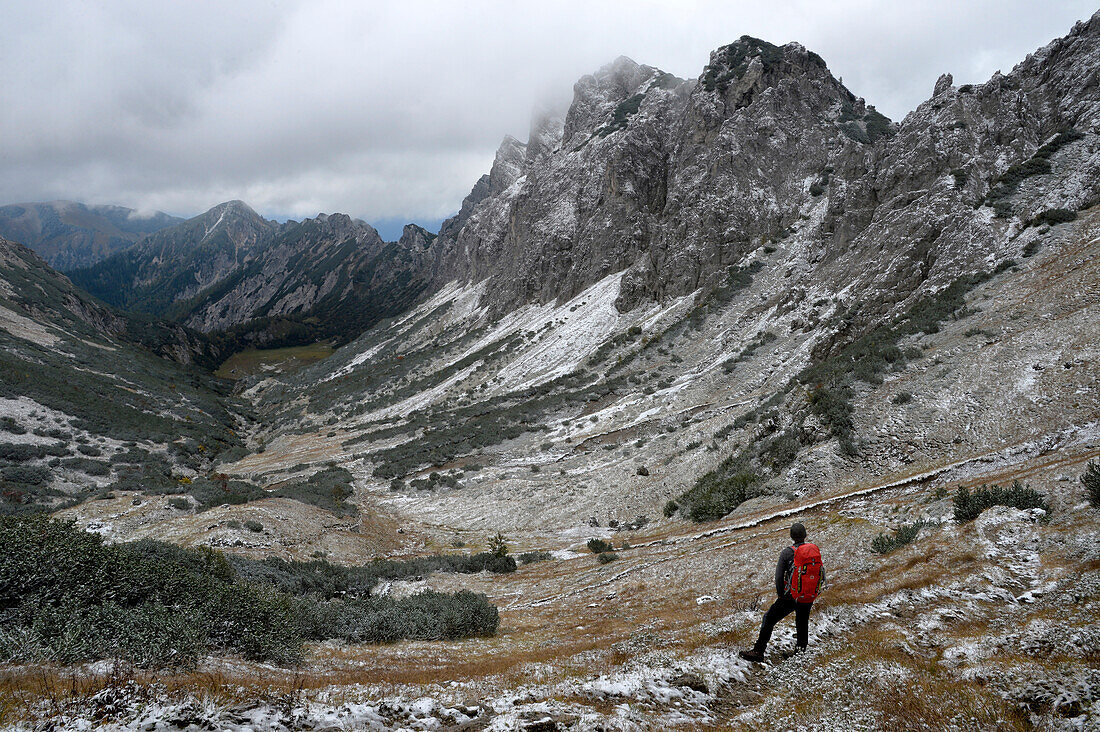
x: 319, y: 577
x: 73, y: 599
x: 8, y: 424
x: 67, y: 597
x: 328, y: 489
x: 968, y: 506
x: 906, y: 533
x: 427, y: 616
x: 606, y: 557
x: 599, y: 546
x: 1090, y: 479
x: 903, y: 397
x: 1054, y: 216
x: 531, y: 557
x: 86, y: 465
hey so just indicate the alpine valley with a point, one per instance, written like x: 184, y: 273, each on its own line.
x: 577, y: 422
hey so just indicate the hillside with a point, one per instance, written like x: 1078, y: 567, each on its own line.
x: 678, y: 318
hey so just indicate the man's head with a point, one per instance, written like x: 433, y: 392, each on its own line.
x: 798, y: 533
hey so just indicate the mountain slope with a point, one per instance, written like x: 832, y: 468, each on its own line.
x: 330, y: 277
x: 85, y: 404
x: 72, y: 235
x: 178, y: 263
x: 259, y: 284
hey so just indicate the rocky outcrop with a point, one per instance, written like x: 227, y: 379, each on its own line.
x: 675, y: 181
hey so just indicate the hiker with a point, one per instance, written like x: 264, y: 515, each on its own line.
x: 799, y: 577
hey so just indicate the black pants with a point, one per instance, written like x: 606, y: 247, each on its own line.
x: 780, y: 609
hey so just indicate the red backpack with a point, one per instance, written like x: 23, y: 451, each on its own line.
x: 805, y: 573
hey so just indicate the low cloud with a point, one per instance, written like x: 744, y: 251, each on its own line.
x: 392, y: 110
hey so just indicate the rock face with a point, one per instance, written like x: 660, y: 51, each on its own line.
x: 674, y: 181
x: 71, y: 235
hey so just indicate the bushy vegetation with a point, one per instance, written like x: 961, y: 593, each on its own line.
x: 329, y: 489
x: 67, y: 597
x: 733, y: 62
x: 599, y: 546
x: 905, y: 534
x: 1053, y: 217
x: 968, y: 506
x: 327, y: 580
x: 761, y: 339
x: 1090, y: 479
x: 721, y: 490
x: 869, y: 356
x: 531, y: 557
x: 874, y: 125
x: 606, y: 557
x: 620, y: 118
x: 1038, y: 164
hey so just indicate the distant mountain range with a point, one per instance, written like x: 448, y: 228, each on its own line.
x: 255, y: 282
x: 70, y: 235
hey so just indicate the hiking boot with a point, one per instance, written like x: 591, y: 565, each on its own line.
x: 753, y: 656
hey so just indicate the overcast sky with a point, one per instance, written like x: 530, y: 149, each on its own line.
x: 391, y: 110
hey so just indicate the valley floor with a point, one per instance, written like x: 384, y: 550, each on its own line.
x: 982, y: 625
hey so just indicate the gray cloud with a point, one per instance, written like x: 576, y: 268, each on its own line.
x: 392, y: 110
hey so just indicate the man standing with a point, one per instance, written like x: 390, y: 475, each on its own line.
x: 798, y: 578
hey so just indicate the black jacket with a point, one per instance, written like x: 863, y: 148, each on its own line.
x: 785, y: 566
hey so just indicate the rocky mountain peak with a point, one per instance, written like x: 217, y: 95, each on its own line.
x: 943, y: 84
x: 596, y: 96
x: 415, y: 238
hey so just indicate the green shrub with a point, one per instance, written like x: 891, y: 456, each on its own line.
x: 717, y: 493
x: 1090, y: 479
x: 327, y: 580
x: 671, y: 507
x: 606, y: 557
x: 903, y: 397
x: 328, y: 489
x: 539, y: 555
x: 69, y: 598
x: 498, y: 545
x: 427, y: 616
x: 1054, y: 216
x: 86, y: 465
x: 599, y: 546
x: 8, y: 424
x: 149, y: 603
x: 180, y: 503
x: 905, y: 534
x: 254, y: 526
x: 968, y: 506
